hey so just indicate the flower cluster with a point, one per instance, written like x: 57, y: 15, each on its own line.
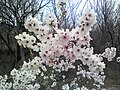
x: 32, y: 24
x: 4, y: 85
x: 60, y: 51
x: 109, y: 53
x: 66, y: 87
x: 35, y: 63
x: 76, y: 44
x: 25, y: 39
x: 118, y: 59
x: 22, y: 79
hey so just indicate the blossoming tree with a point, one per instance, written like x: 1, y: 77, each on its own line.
x: 62, y: 59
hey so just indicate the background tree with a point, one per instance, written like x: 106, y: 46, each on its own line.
x: 106, y: 33
x: 13, y: 14
x: 108, y: 18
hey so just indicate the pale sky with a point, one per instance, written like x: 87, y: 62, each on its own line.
x: 78, y: 4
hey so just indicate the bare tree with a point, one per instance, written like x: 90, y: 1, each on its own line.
x: 13, y: 14
x: 105, y: 33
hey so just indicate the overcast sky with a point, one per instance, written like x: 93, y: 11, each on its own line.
x: 81, y: 6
